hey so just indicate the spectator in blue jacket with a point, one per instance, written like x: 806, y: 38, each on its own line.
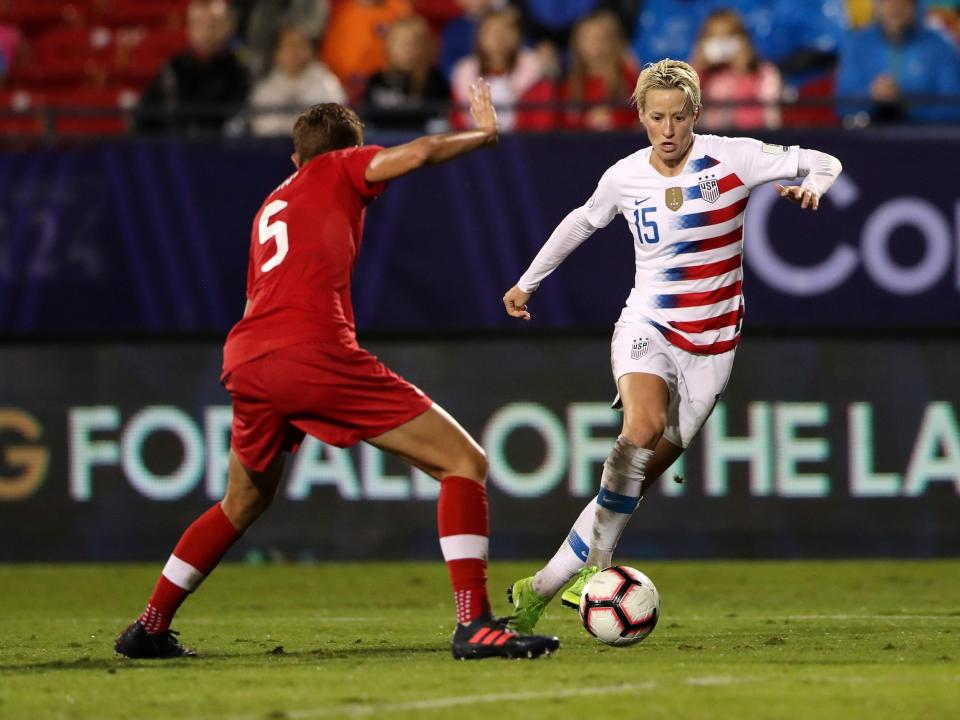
x: 896, y: 58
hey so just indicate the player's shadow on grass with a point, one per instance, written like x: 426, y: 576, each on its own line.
x: 115, y: 663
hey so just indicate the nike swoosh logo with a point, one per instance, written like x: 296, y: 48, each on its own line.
x: 641, y: 200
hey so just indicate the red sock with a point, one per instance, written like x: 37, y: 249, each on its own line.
x: 464, y: 528
x: 196, y: 555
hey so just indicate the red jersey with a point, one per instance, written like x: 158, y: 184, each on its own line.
x: 303, y: 247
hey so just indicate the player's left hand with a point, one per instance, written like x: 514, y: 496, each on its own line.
x: 800, y: 195
x: 481, y: 107
x: 515, y: 303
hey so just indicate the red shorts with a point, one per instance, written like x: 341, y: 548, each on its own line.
x: 336, y: 393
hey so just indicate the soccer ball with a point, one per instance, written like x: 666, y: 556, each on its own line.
x: 620, y: 606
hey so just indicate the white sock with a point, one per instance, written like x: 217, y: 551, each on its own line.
x: 620, y: 487
x: 570, y: 556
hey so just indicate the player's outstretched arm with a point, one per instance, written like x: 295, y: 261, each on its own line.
x: 567, y: 237
x: 396, y: 161
x: 819, y: 171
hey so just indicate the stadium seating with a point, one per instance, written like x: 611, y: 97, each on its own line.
x: 96, y: 55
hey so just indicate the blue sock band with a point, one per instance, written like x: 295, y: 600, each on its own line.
x: 579, y: 547
x: 615, y: 502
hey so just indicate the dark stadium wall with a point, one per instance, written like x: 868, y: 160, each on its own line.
x: 819, y: 448
x: 150, y: 238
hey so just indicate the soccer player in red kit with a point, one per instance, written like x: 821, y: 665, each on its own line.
x: 293, y: 366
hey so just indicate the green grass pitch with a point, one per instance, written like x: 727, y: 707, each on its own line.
x: 744, y: 640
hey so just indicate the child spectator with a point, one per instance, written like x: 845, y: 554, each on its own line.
x: 296, y: 82
x: 602, y: 75
x: 410, y: 91
x: 512, y: 71
x: 457, y: 39
x: 267, y: 18
x: 732, y: 72
x: 354, y: 46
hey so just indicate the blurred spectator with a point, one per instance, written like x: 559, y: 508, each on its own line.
x: 201, y: 88
x: 552, y: 20
x: 800, y: 37
x: 9, y: 44
x: 602, y: 75
x: 410, y: 91
x: 893, y: 59
x: 944, y: 15
x: 354, y: 46
x: 297, y: 81
x: 501, y: 59
x: 668, y: 28
x: 732, y: 72
x: 265, y: 20
x: 457, y: 39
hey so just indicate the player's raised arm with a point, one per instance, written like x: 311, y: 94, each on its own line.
x: 819, y: 171
x: 396, y: 161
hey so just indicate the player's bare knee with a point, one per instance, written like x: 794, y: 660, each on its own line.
x: 244, y: 506
x: 645, y: 429
x: 472, y: 463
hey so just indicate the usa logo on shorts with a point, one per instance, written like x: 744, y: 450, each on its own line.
x: 640, y: 347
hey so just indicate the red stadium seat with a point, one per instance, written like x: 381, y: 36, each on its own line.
x: 820, y: 112
x: 67, y: 57
x: 154, y: 13
x: 91, y: 111
x: 438, y: 12
x: 20, y: 115
x: 29, y: 15
x: 141, y: 54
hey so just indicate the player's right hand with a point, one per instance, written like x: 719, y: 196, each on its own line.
x: 481, y: 107
x: 515, y: 303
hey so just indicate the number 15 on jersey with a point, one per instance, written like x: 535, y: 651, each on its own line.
x: 647, y: 230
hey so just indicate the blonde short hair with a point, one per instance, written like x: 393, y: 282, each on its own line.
x: 668, y: 75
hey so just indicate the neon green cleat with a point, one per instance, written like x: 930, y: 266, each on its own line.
x: 529, y: 606
x: 571, y: 596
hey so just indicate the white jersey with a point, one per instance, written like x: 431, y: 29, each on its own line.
x: 688, y: 235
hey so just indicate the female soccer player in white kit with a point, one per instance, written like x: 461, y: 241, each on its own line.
x: 684, y: 200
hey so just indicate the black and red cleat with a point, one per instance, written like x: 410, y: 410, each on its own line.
x: 136, y: 642
x: 490, y: 637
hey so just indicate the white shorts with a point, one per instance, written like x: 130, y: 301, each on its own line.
x: 695, y: 382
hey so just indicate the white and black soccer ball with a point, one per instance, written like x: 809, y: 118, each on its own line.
x: 620, y: 606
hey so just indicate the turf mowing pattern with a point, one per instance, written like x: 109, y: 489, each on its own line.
x: 744, y: 640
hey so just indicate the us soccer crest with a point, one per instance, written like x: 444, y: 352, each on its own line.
x: 639, y: 349
x: 709, y: 190
x: 674, y: 198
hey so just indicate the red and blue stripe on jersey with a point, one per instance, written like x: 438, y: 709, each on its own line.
x: 705, y: 219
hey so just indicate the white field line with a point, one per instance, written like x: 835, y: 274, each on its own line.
x: 442, y: 703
